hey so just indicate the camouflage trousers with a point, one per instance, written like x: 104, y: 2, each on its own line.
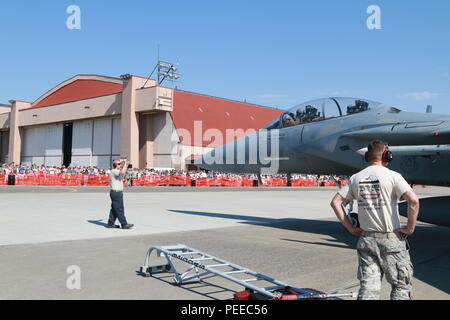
x: 384, y: 256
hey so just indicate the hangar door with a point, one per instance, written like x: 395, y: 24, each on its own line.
x: 4, y: 143
x: 42, y: 145
x: 95, y: 142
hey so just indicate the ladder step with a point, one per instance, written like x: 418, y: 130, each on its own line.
x: 202, y: 259
x: 185, y: 252
x: 176, y: 247
x: 253, y: 279
x: 219, y: 265
x: 236, y: 271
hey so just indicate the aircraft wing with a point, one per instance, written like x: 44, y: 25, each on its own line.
x: 415, y: 151
x: 431, y: 133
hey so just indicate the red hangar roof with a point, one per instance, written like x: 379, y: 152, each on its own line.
x: 80, y: 90
x: 217, y: 113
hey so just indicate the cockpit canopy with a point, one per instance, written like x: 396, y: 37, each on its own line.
x: 321, y: 109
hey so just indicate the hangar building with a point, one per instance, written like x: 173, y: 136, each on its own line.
x: 89, y: 120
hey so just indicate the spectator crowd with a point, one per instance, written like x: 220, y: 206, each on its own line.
x: 137, y: 176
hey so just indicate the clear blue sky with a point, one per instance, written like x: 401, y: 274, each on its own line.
x: 274, y: 53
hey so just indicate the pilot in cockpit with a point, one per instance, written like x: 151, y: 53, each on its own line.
x: 359, y: 106
x: 288, y: 119
x: 308, y: 114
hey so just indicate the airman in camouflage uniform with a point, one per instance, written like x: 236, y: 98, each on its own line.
x: 387, y: 256
x: 382, y: 246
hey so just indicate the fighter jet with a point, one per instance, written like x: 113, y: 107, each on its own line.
x: 330, y: 136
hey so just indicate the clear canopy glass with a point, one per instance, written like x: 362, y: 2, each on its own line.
x: 321, y: 109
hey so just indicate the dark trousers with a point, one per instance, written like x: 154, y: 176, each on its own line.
x: 117, y: 210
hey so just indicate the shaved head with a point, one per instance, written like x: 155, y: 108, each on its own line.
x: 116, y: 163
x: 375, y: 150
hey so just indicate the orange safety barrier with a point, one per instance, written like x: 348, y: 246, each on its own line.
x: 137, y: 182
x: 311, y: 182
x: 327, y: 184
x: 179, y: 180
x: 71, y: 179
x: 223, y: 182
x: 277, y: 182
x: 174, y: 180
x: 214, y: 182
x: 152, y: 181
x: 148, y: 181
x: 274, y: 182
x: 99, y: 181
x: 49, y: 180
x: 28, y: 180
x: 202, y: 182
x: 20, y: 179
x: 231, y: 182
x: 247, y: 182
x: 298, y: 182
x: 163, y: 180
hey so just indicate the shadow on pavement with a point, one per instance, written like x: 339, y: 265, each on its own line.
x: 197, y: 287
x: 98, y: 223
x: 430, y: 253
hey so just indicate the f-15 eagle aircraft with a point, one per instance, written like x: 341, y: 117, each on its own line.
x: 330, y: 136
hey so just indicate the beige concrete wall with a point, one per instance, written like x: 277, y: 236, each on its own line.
x: 165, y: 98
x: 90, y: 108
x: 140, y: 96
x: 154, y: 99
x: 165, y: 140
x: 15, y: 137
x: 4, y: 120
x: 129, y: 137
x: 156, y: 148
x: 143, y: 82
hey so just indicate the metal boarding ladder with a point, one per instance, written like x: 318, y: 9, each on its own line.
x: 197, y: 258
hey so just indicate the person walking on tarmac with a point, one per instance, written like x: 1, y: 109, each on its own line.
x: 382, y: 246
x: 116, y: 182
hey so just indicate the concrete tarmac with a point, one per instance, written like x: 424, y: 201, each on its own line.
x: 290, y: 234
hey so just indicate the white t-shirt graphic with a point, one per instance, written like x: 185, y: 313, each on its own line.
x: 377, y: 190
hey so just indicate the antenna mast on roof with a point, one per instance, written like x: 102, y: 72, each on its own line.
x: 166, y: 70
